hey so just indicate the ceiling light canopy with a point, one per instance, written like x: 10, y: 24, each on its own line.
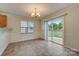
x: 35, y: 14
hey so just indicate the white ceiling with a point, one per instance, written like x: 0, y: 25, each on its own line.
x: 25, y: 9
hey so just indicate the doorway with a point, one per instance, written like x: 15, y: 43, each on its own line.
x: 55, y: 30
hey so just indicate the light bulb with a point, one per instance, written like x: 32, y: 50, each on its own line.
x: 38, y: 14
x: 32, y: 14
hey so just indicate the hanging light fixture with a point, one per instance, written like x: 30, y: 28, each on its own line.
x: 35, y: 14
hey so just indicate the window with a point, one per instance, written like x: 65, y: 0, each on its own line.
x: 27, y: 26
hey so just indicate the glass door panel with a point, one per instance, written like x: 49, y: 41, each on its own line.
x: 56, y: 30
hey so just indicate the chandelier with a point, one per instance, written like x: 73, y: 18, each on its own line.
x: 35, y: 13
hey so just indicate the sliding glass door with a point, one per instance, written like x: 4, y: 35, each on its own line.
x: 55, y: 31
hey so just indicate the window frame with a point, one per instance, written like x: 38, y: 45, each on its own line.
x: 27, y: 31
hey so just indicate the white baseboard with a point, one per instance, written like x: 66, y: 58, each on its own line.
x: 25, y: 40
x: 73, y: 49
x: 3, y: 49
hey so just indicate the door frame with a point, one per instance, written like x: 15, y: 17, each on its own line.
x: 46, y: 37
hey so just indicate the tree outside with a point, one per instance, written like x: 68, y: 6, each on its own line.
x: 57, y: 29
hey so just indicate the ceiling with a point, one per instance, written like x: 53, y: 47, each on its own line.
x: 25, y: 9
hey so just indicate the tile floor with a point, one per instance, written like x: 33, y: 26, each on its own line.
x: 37, y: 47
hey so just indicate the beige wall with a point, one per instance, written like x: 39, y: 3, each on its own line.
x: 71, y: 24
x: 14, y: 24
x: 3, y: 40
x: 7, y: 37
x: 17, y: 36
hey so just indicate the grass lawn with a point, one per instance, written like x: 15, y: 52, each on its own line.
x: 58, y: 33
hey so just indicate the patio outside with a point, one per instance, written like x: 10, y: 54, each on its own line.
x: 55, y: 31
